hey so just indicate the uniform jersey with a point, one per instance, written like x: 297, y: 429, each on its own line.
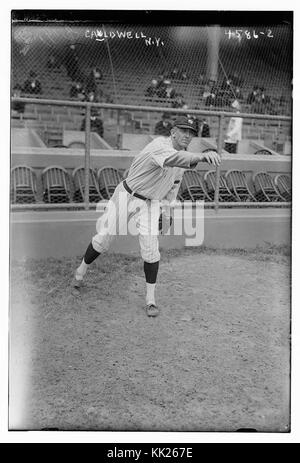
x: 156, y: 172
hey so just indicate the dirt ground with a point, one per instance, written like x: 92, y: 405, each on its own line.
x: 216, y: 359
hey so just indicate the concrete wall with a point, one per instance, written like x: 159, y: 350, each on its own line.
x: 39, y: 158
x: 23, y: 137
x: 67, y: 233
x: 96, y: 142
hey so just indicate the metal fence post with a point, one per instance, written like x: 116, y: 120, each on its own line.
x: 218, y: 169
x: 118, y: 130
x: 87, y: 157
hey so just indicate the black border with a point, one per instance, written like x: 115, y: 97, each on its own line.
x: 174, y: 17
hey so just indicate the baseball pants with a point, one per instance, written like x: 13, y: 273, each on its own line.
x: 125, y: 214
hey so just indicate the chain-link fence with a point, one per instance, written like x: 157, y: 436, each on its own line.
x: 168, y: 69
x: 206, y: 66
x: 172, y: 67
x: 85, y: 185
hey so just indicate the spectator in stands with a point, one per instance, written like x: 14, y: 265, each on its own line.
x: 175, y: 73
x: 32, y: 85
x: 96, y: 121
x: 71, y: 62
x: 164, y: 126
x: 161, y: 85
x: 210, y: 99
x: 234, y: 130
x: 52, y: 62
x: 164, y: 89
x: 195, y: 122
x: 282, y: 100
x: 238, y: 93
x: 264, y: 97
x: 184, y: 75
x: 221, y: 94
x: 17, y: 106
x: 77, y: 91
x: 169, y: 90
x: 206, y: 91
x: 151, y: 91
x: 226, y: 84
x: 253, y: 95
x: 162, y: 77
x: 236, y: 80
x: 93, y: 82
x: 212, y: 96
x: 283, y: 105
x: 178, y: 101
x: 262, y: 103
x: 205, y: 130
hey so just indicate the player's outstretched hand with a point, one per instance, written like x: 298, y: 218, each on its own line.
x: 212, y: 158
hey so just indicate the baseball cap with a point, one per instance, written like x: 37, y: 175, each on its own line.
x: 184, y: 122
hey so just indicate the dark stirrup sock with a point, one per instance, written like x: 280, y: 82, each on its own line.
x: 151, y: 270
x: 90, y: 254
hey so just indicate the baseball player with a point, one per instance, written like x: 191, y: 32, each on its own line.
x: 153, y: 179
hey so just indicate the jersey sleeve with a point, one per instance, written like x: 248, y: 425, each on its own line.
x: 164, y: 155
x: 183, y: 159
x: 161, y: 152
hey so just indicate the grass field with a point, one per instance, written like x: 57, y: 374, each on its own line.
x: 216, y: 359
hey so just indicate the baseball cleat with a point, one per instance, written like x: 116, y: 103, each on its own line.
x: 152, y: 310
x: 77, y: 281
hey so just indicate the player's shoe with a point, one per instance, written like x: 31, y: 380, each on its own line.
x: 152, y: 310
x: 77, y: 281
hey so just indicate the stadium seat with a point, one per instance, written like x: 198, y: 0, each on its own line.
x: 23, y: 185
x: 56, y: 185
x: 224, y: 192
x: 237, y: 184
x: 59, y: 146
x: 265, y: 189
x: 283, y: 186
x: 76, y: 144
x: 267, y: 152
x: 78, y: 175
x: 192, y: 187
x: 108, y: 178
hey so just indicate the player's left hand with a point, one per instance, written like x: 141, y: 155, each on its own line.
x: 212, y: 158
x: 164, y: 223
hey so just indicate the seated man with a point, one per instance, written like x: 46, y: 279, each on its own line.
x: 164, y: 126
x: 77, y: 91
x: 32, y: 85
x: 96, y: 121
x: 17, y: 106
x: 93, y: 82
x: 178, y: 102
x: 152, y: 89
x: 205, y: 130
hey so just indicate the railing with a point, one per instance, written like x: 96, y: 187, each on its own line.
x: 221, y: 115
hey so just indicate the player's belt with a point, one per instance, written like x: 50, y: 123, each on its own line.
x: 133, y: 193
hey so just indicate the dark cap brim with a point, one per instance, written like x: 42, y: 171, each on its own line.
x: 183, y: 126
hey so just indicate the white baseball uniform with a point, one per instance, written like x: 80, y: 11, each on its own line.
x: 156, y: 173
